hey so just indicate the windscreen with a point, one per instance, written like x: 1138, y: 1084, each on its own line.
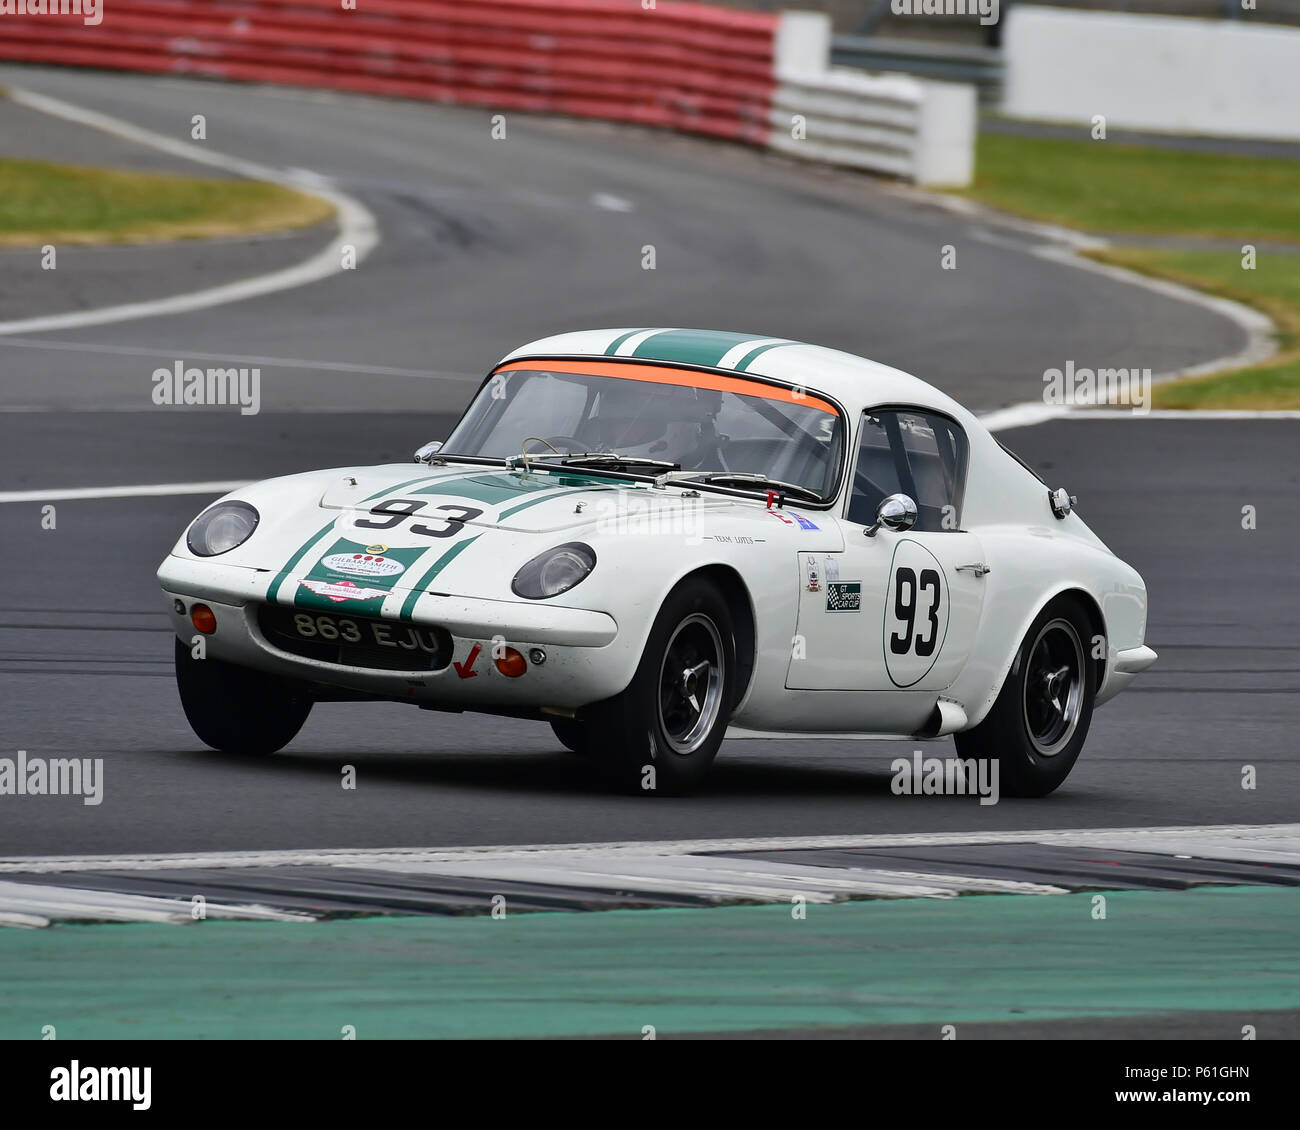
x: 700, y: 421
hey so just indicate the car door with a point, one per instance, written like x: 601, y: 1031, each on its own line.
x: 897, y: 609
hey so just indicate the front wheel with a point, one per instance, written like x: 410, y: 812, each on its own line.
x: 237, y: 710
x: 661, y: 734
x: 1040, y: 720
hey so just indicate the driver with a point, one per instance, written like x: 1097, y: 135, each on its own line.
x: 633, y: 416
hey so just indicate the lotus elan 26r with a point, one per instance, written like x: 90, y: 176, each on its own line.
x: 650, y: 538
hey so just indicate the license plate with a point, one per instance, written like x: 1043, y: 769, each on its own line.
x: 356, y: 641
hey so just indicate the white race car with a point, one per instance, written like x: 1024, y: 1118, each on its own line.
x: 651, y: 538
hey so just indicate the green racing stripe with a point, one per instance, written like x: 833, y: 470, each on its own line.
x: 612, y: 348
x: 690, y: 347
x: 272, y: 593
x: 417, y: 590
x: 749, y: 357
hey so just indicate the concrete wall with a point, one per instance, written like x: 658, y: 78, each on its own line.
x: 1153, y: 72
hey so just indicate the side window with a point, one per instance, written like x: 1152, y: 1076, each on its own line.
x: 916, y: 453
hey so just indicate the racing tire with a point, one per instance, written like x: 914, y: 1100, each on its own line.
x: 1040, y: 720
x: 237, y: 710
x: 661, y: 734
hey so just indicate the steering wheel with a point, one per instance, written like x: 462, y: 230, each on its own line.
x: 706, y: 456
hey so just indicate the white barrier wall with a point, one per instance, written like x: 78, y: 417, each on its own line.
x: 1160, y: 73
x: 919, y: 130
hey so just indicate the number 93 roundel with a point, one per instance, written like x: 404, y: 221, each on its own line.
x: 916, y: 613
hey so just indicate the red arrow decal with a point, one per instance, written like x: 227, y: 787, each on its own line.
x: 466, y: 670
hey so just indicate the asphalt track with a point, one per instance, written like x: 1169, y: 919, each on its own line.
x: 490, y: 243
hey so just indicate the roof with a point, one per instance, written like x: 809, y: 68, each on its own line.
x: 854, y: 381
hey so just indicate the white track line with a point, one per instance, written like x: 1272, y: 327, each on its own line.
x: 1261, y: 342
x: 1027, y: 415
x: 34, y: 900
x: 235, y: 359
x: 1223, y: 841
x: 357, y: 227
x: 160, y: 490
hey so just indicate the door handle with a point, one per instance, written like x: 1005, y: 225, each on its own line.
x: 976, y: 567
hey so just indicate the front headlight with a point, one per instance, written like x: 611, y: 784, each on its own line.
x: 555, y: 571
x: 222, y: 527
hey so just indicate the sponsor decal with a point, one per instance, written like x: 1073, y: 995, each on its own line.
x: 844, y: 596
x: 832, y: 568
x: 339, y: 591
x: 814, y: 581
x: 345, y: 565
x: 793, y: 519
x: 363, y: 564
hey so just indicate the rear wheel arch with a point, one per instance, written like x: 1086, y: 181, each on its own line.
x: 1097, y: 623
x: 1097, y: 627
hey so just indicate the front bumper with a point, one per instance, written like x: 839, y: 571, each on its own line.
x: 584, y: 662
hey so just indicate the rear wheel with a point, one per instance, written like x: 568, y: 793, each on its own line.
x: 662, y: 733
x: 1040, y: 720
x: 235, y: 709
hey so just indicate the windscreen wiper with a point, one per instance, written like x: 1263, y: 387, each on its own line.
x: 600, y: 459
x: 744, y: 479
x: 611, y: 458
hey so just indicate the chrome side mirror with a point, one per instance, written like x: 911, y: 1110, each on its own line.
x: 428, y: 451
x: 896, y: 512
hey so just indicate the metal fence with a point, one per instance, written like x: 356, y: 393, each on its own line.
x: 946, y: 62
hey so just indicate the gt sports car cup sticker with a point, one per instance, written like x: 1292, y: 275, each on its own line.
x: 844, y: 596
x: 363, y: 564
x: 339, y: 591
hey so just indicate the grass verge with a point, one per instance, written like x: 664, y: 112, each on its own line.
x: 41, y: 203
x: 1107, y: 186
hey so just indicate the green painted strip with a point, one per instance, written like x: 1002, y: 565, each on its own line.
x: 417, y: 590
x: 690, y: 347
x: 273, y: 592
x: 547, y: 498
x: 490, y: 487
x: 933, y: 961
x: 612, y: 348
x: 411, y: 482
x: 749, y: 357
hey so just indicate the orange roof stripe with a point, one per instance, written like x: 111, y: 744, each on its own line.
x: 664, y: 375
